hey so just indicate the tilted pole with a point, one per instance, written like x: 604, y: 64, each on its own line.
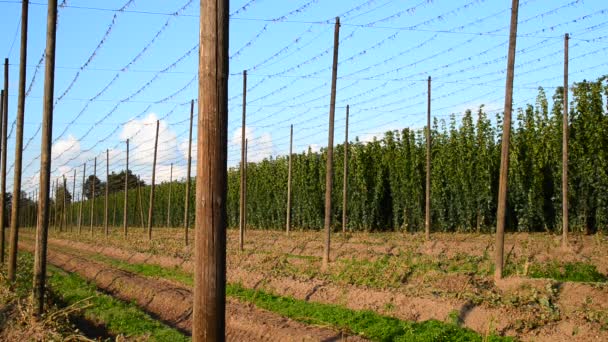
x: 151, y: 207
x: 187, y: 200
x: 288, y: 218
x: 504, y: 157
x: 15, y: 210
x: 3, y: 164
x: 84, y: 172
x: 427, y: 207
x: 169, y: 199
x: 93, y: 194
x: 107, y: 200
x: 45, y: 162
x: 209, y: 307
x: 243, y: 205
x: 565, y: 149
x: 345, y: 173
x: 329, y: 173
x: 125, y: 217
x: 72, y: 202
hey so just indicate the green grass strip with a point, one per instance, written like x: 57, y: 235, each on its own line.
x: 368, y: 324
x: 572, y: 271
x: 119, y: 318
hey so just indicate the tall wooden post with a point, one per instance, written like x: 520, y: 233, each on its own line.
x: 187, y: 199
x: 169, y: 199
x: 93, y: 194
x: 151, y: 207
x: 3, y: 164
x: 329, y: 174
x: 209, y: 322
x: 125, y: 217
x: 504, y: 157
x: 427, y: 209
x: 62, y: 224
x: 107, y: 197
x: 565, y: 149
x: 56, y: 197
x: 243, y: 189
x: 114, y: 211
x: 1, y: 116
x: 45, y: 161
x: 72, y: 203
x: 288, y: 218
x: 84, y: 172
x: 16, y: 202
x: 345, y: 180
x: 141, y: 207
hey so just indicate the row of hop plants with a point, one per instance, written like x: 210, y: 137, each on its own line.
x: 387, y: 176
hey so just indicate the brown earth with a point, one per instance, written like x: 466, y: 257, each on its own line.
x: 522, y: 316
x: 172, y: 303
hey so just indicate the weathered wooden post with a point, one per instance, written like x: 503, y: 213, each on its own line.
x: 565, y: 149
x: 16, y: 202
x: 84, y: 172
x: 288, y: 218
x: 187, y: 199
x: 243, y: 205
x: 504, y: 156
x: 209, y: 318
x: 345, y: 173
x: 93, y: 194
x: 169, y: 199
x: 329, y: 175
x: 427, y: 209
x: 125, y: 217
x: 45, y: 162
x: 151, y: 207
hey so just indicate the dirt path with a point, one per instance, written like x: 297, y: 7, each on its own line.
x: 572, y: 325
x: 172, y: 303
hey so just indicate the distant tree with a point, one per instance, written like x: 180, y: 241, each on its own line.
x: 99, y: 187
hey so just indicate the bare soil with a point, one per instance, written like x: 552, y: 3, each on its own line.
x: 530, y: 309
x: 172, y: 303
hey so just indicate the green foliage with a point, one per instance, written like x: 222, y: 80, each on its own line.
x: 119, y: 318
x: 575, y: 271
x: 386, y: 177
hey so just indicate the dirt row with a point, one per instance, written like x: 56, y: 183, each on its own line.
x: 565, y: 300
x: 172, y: 303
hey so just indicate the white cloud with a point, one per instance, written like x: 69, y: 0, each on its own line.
x: 141, y: 135
x: 260, y: 146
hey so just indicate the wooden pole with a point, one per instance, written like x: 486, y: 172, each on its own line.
x: 62, y: 224
x: 345, y: 180
x: 72, y: 203
x: 288, y: 218
x: 141, y: 207
x: 114, y: 211
x: 107, y: 197
x: 84, y: 172
x: 187, y: 200
x: 15, y: 210
x: 93, y: 194
x: 329, y: 175
x: 56, y: 198
x: 245, y: 192
x: 3, y: 163
x: 209, y: 317
x: 151, y: 207
x: 504, y: 157
x: 243, y: 205
x: 125, y: 217
x: 45, y: 162
x: 427, y: 209
x: 169, y: 199
x: 565, y: 149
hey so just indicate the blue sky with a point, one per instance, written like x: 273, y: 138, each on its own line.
x: 119, y: 71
